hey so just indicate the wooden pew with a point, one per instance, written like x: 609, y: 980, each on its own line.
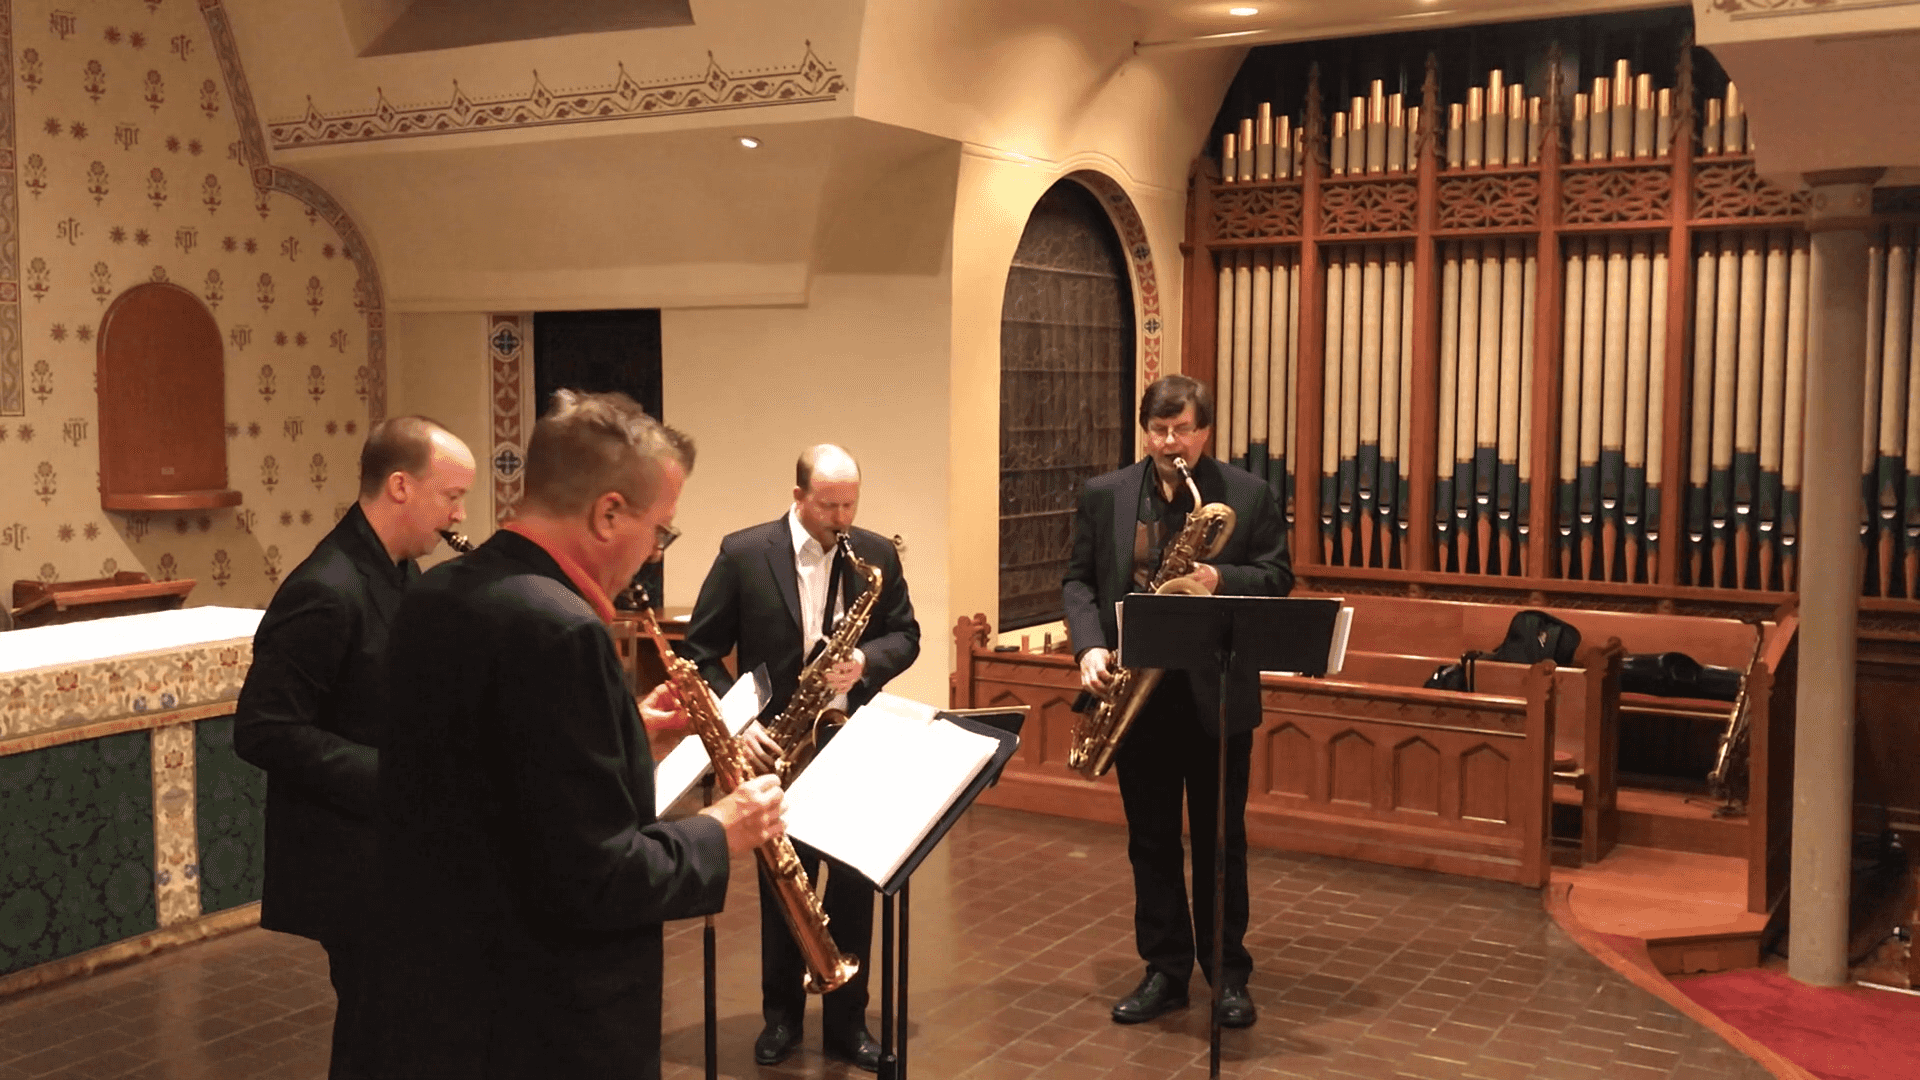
x: 1401, y: 775
x: 1586, y: 727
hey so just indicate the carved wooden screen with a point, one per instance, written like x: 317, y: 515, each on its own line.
x: 1066, y: 390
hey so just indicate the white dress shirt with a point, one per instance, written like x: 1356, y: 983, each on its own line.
x: 813, y: 566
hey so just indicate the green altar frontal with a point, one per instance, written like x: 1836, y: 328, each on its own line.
x: 127, y: 822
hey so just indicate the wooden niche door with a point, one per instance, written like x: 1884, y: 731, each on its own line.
x: 163, y: 403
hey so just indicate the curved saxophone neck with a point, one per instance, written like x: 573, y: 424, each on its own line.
x: 1186, y: 476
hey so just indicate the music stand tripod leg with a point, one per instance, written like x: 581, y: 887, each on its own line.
x: 889, y: 1057
x: 709, y: 963
x: 900, y: 1040
x: 1219, y: 871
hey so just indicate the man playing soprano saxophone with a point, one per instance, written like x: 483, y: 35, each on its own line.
x: 526, y: 876
x: 774, y: 592
x: 1172, y: 748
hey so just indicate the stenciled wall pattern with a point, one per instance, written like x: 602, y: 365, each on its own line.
x: 132, y: 165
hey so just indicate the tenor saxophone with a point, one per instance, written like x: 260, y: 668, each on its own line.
x: 1097, y: 735
x: 827, y: 967
x: 808, y: 713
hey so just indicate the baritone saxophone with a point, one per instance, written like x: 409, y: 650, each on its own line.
x: 1097, y: 735
x: 827, y: 967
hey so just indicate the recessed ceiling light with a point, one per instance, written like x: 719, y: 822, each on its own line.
x: 749, y: 142
x: 1243, y: 11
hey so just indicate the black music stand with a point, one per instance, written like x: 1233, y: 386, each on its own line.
x: 1232, y: 639
x: 999, y: 724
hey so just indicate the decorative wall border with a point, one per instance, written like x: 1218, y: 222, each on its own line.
x: 176, y: 834
x: 509, y: 359
x: 1770, y: 9
x: 369, y: 295
x: 1133, y: 233
x: 809, y: 81
x: 13, y: 388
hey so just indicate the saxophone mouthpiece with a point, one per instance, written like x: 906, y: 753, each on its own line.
x: 1186, y: 475
x: 456, y: 541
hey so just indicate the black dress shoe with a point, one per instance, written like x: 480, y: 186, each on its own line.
x: 776, y: 1041
x: 1155, y: 996
x: 859, y: 1048
x: 1236, y: 1008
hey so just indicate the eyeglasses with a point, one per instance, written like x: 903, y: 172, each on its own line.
x: 1158, y: 431
x: 664, y: 536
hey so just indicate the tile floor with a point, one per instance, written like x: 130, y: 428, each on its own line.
x: 1021, y: 940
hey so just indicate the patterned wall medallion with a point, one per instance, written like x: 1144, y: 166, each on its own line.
x: 1133, y: 233
x: 176, y: 845
x: 510, y: 359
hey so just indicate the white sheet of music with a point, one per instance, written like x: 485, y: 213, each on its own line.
x: 686, y: 763
x: 880, y: 785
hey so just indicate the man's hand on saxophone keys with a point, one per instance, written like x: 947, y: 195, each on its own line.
x: 843, y: 675
x: 1096, y: 670
x: 660, y: 711
x: 761, y: 747
x: 752, y: 814
x: 1207, y: 576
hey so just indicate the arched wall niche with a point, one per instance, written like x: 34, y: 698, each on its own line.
x: 1075, y: 344
x: 163, y: 403
x: 1149, y: 324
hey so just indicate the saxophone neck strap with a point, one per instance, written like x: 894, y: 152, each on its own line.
x: 836, y: 581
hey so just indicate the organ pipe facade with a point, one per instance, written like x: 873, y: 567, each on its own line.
x: 1552, y: 331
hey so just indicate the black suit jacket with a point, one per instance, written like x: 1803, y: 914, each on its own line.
x: 526, y: 875
x: 751, y: 602
x: 1254, y: 562
x: 312, y: 715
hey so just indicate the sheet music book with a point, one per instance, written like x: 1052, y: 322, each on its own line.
x: 882, y: 783
x: 1337, y: 652
x: 1336, y: 647
x: 688, y: 762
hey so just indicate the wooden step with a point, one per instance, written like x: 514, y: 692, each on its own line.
x: 1689, y: 908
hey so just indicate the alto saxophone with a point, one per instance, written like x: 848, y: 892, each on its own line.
x: 827, y: 968
x: 1097, y: 735
x: 798, y: 727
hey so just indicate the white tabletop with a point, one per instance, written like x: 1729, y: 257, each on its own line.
x: 68, y: 644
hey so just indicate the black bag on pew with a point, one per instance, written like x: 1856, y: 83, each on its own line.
x: 1532, y: 636
x: 1675, y: 674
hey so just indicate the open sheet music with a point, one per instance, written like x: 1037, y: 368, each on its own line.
x: 688, y: 762
x: 877, y: 789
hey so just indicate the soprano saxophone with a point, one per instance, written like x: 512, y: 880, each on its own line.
x: 827, y: 968
x: 1097, y: 735
x: 798, y: 727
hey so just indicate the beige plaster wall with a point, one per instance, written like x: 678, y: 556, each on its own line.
x: 864, y: 363
x: 437, y: 366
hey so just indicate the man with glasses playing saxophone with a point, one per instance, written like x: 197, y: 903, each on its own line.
x: 774, y: 595
x: 1125, y: 522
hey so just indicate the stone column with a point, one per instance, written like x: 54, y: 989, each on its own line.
x: 1829, y: 576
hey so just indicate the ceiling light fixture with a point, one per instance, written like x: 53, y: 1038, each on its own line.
x: 749, y: 142
x: 1243, y: 11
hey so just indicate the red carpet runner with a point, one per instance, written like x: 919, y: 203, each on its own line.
x: 1844, y: 1033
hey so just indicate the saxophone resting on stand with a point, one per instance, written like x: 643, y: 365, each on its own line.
x: 827, y: 968
x: 797, y: 729
x: 1097, y: 735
